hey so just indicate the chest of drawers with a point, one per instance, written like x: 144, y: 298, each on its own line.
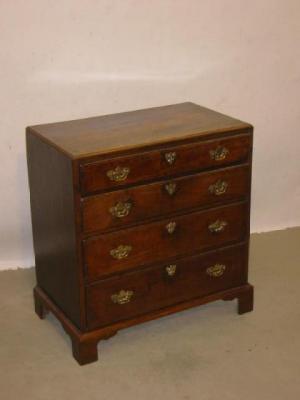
x: 138, y: 215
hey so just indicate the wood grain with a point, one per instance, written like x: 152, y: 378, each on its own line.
x: 153, y: 200
x: 153, y: 288
x: 53, y: 225
x: 153, y: 164
x: 135, y: 129
x: 152, y: 243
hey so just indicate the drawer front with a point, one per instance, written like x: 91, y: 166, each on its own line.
x: 122, y: 207
x: 187, y: 234
x: 109, y: 174
x: 137, y: 293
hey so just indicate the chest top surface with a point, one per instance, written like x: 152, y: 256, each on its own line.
x: 135, y: 129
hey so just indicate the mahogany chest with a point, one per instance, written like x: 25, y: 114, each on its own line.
x: 138, y: 215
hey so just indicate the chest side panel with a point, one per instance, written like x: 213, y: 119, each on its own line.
x: 53, y: 225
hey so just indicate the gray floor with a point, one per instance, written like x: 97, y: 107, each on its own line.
x: 206, y: 353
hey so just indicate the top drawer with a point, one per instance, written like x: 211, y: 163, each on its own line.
x: 120, y: 171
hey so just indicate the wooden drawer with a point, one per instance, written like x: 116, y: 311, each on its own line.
x: 128, y: 206
x: 135, y: 293
x: 181, y: 235
x: 116, y: 172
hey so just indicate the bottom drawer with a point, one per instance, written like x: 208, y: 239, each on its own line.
x: 139, y: 292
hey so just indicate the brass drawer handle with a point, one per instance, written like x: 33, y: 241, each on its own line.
x: 171, y: 269
x: 170, y: 227
x: 170, y: 157
x: 120, y: 252
x: 216, y: 270
x: 123, y: 297
x: 219, y: 154
x: 118, y: 174
x: 218, y: 188
x: 217, y: 226
x: 121, y: 210
x: 171, y: 188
